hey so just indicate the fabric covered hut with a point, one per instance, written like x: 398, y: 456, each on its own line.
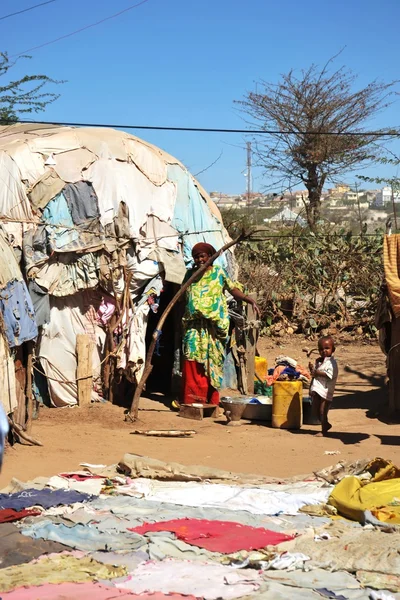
x: 95, y: 223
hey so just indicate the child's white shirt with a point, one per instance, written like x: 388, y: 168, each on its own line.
x: 324, y: 385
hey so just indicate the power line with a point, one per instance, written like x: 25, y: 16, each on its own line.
x: 393, y: 133
x: 67, y: 35
x: 19, y: 12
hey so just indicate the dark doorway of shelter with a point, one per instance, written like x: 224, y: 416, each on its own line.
x: 159, y: 381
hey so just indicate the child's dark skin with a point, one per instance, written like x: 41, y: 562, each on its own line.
x: 321, y: 406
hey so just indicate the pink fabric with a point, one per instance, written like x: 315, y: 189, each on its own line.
x: 217, y: 536
x: 68, y: 591
x: 80, y: 476
x: 105, y: 310
x: 83, y: 591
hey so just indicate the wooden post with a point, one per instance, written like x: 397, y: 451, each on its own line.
x: 251, y: 346
x: 28, y: 390
x: 84, y: 371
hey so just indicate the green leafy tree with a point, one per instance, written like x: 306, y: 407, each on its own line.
x: 22, y: 96
x: 304, y: 114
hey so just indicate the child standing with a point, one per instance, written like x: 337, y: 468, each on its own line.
x: 324, y: 373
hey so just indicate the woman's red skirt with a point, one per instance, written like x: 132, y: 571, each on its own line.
x: 196, y: 385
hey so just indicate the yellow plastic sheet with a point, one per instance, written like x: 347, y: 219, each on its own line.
x: 351, y: 497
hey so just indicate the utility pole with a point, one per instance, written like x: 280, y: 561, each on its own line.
x: 248, y: 144
x: 359, y: 210
x: 394, y: 209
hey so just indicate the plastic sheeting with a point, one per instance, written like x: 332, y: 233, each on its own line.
x: 193, y: 216
x: 116, y: 182
x: 8, y: 396
x: 57, y: 347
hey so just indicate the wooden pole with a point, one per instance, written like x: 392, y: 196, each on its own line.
x: 28, y: 390
x: 394, y: 209
x: 84, y: 371
x: 156, y: 334
x: 250, y: 346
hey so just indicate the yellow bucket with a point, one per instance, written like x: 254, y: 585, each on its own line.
x: 287, y: 404
x: 261, y: 368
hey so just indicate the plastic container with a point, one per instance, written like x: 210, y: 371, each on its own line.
x: 261, y: 411
x: 308, y: 417
x: 261, y: 368
x: 287, y: 404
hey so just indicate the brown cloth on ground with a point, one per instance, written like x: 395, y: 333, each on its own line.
x: 391, y: 263
x: 349, y: 549
x: 134, y: 466
x: 16, y: 549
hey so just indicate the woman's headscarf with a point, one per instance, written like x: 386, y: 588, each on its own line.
x: 203, y: 247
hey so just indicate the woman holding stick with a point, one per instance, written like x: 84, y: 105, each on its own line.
x: 206, y: 328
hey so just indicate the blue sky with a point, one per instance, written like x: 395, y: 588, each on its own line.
x: 184, y: 62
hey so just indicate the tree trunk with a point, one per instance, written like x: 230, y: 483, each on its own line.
x: 314, y: 185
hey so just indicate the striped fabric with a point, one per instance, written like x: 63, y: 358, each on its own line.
x: 391, y: 263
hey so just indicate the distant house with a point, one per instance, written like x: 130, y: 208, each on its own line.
x: 287, y: 217
x: 384, y: 196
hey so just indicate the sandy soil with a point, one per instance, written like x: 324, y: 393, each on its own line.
x: 98, y: 434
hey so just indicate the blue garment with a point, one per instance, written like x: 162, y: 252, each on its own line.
x: 84, y: 537
x: 4, y: 427
x: 18, y: 313
x: 291, y: 372
x: 46, y: 498
x: 60, y: 226
x: 191, y: 214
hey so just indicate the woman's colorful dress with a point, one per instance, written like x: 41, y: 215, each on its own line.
x: 205, y: 333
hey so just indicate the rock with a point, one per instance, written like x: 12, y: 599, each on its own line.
x: 290, y: 330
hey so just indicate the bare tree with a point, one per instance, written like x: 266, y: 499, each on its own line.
x: 22, y: 96
x: 319, y: 124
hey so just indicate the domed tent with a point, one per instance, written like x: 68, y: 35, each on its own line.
x: 100, y: 222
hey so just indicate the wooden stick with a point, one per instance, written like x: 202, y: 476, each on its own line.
x: 157, y: 332
x: 21, y: 433
x: 165, y: 432
x: 28, y: 390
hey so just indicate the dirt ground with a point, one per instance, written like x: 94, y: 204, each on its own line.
x: 98, y: 434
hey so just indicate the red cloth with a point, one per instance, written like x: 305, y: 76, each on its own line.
x: 9, y: 514
x: 203, y: 247
x: 196, y: 386
x: 79, y: 476
x: 217, y: 536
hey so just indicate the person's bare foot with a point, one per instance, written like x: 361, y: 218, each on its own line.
x: 325, y: 430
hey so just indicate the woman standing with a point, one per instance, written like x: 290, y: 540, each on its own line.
x: 206, y: 328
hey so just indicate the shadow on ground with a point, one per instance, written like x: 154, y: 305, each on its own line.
x: 374, y: 401
x: 345, y: 437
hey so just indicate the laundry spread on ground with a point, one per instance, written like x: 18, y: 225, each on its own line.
x: 250, y: 538
x: 45, y: 498
x: 7, y: 515
x: 217, y: 536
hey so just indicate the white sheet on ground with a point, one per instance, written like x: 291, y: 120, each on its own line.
x: 207, y: 580
x: 271, y: 499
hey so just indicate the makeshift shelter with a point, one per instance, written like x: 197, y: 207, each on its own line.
x: 95, y: 223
